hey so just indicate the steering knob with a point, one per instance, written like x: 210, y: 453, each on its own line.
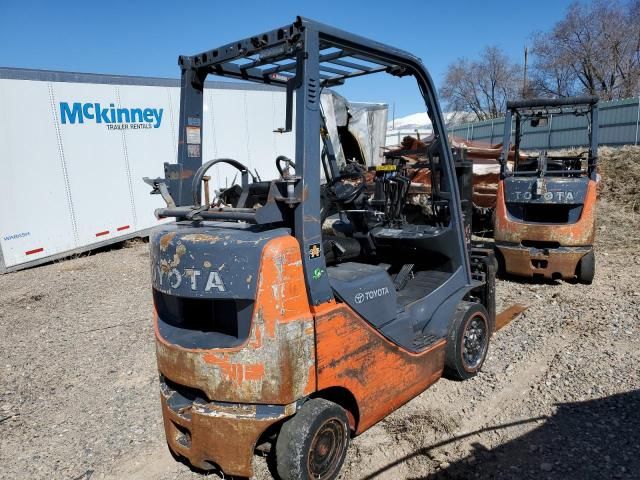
x: 284, y: 159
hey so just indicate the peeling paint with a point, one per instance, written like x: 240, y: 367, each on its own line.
x: 201, y: 237
x: 274, y: 364
x: 165, y: 240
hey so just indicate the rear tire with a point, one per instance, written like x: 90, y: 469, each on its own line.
x: 467, y: 342
x: 587, y: 268
x: 313, y: 443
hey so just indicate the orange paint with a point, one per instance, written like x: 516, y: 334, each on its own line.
x: 282, y: 294
x: 253, y: 371
x: 580, y: 233
x: 381, y: 375
x: 311, y: 383
x: 276, y: 364
x: 269, y: 324
x: 236, y: 372
x: 222, y: 363
x: 230, y: 441
x: 548, y: 262
x: 256, y: 341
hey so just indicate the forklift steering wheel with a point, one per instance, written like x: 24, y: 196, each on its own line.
x: 341, y: 192
x: 196, y: 186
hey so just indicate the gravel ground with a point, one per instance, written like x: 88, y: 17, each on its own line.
x: 559, y: 396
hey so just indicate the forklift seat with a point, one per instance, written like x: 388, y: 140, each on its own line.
x: 338, y: 249
x: 257, y: 193
x: 419, y: 238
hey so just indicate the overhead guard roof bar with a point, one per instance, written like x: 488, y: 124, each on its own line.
x: 552, y: 102
x: 292, y: 65
x: 251, y: 71
x: 281, y: 44
x: 355, y: 66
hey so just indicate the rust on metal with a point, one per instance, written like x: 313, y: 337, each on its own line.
x: 552, y: 263
x: 575, y: 240
x: 205, y: 181
x: 575, y: 234
x: 505, y: 317
x: 202, y: 238
x: 203, y: 436
x: 274, y: 365
x: 381, y: 375
x: 166, y: 239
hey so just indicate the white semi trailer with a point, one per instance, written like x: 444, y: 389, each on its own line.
x: 74, y: 148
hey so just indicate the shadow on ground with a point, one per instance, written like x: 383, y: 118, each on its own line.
x: 595, y: 439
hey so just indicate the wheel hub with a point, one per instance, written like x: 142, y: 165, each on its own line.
x: 474, y: 342
x: 326, y: 449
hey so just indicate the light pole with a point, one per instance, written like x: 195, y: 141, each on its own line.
x: 524, y: 80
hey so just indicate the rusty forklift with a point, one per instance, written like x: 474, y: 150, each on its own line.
x: 271, y: 335
x: 546, y: 204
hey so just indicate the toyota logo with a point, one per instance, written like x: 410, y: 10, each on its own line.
x: 359, y: 298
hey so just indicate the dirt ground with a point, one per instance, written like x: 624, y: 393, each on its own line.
x: 559, y: 396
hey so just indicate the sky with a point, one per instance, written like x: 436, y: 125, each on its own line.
x: 144, y: 38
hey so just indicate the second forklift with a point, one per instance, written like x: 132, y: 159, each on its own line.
x: 546, y: 202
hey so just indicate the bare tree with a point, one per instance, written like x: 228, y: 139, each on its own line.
x: 481, y: 87
x: 595, y: 49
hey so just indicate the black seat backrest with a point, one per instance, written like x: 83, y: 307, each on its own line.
x: 421, y: 244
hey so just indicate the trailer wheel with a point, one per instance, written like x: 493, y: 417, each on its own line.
x: 587, y: 268
x: 467, y: 342
x: 313, y: 443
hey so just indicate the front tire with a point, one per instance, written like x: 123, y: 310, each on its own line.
x: 587, y: 268
x: 467, y: 342
x: 313, y: 443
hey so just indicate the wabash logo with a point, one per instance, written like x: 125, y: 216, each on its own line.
x: 115, y: 118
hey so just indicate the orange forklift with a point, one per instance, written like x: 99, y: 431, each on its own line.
x: 272, y: 335
x: 546, y: 203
